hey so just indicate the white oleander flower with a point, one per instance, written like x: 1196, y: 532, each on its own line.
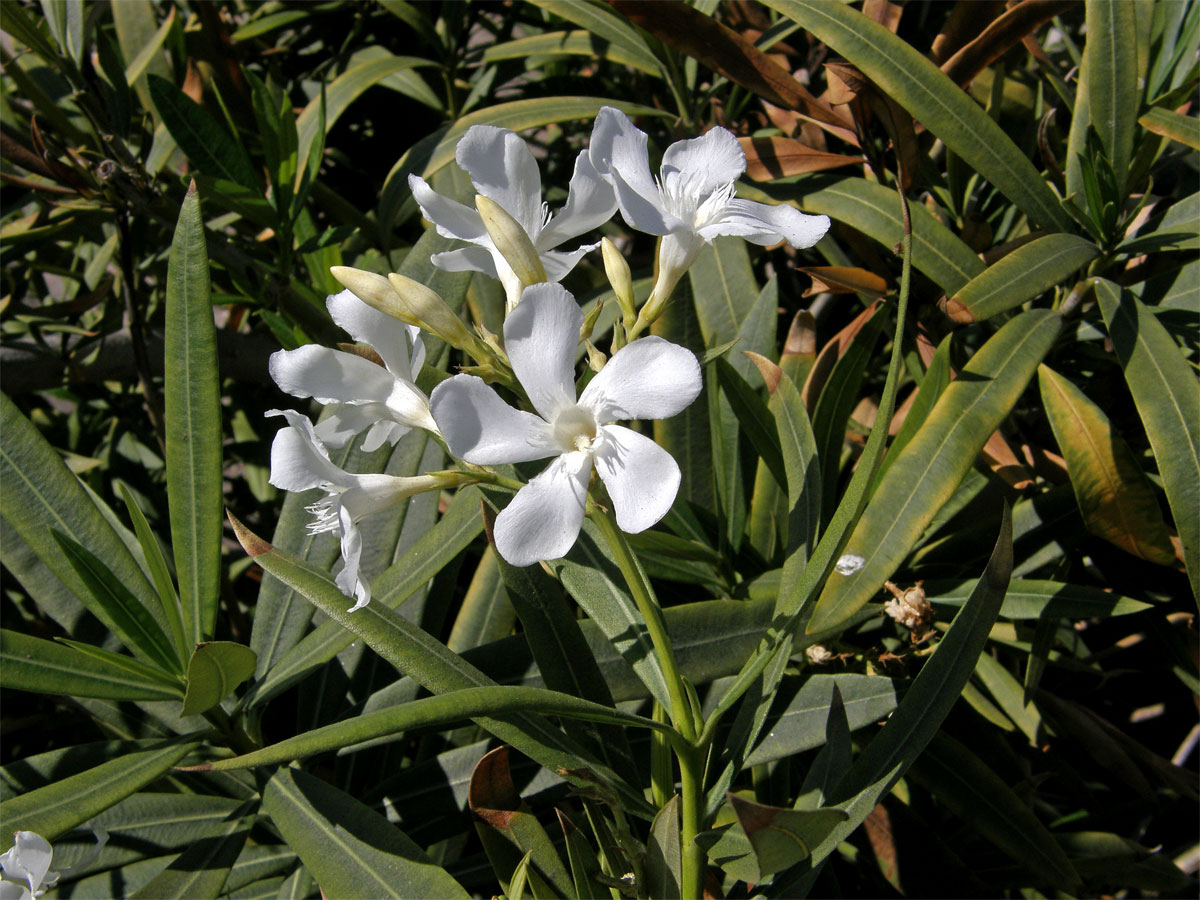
x: 646, y: 379
x: 26, y: 865
x: 383, y: 401
x: 300, y: 462
x: 503, y: 169
x: 692, y: 201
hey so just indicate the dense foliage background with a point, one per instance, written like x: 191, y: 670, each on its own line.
x: 1048, y: 150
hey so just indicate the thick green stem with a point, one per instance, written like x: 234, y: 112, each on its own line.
x: 691, y: 787
x: 690, y: 756
x: 643, y: 595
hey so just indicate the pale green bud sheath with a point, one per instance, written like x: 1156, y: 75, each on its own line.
x: 433, y: 314
x: 617, y: 270
x: 375, y: 291
x: 514, y: 244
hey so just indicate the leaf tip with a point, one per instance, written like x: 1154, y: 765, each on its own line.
x: 956, y: 310
x: 251, y: 542
x: 192, y: 189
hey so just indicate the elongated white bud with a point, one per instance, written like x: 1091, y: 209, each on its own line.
x: 375, y: 291
x: 620, y: 278
x: 512, y: 241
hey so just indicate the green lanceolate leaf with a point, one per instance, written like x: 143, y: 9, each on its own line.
x: 202, y: 869
x: 608, y: 26
x: 1176, y: 126
x: 192, y: 398
x: 836, y: 402
x: 593, y: 579
x: 754, y: 418
x: 783, y: 837
x: 1167, y: 396
x: 872, y: 209
x: 114, y: 605
x: 157, y: 563
x: 214, y: 672
x: 977, y: 795
x: 343, y: 91
x: 207, y: 145
x: 561, y: 652
x: 1036, y: 599
x: 1110, y: 58
x: 444, y: 709
x: 929, y: 469
x: 910, y: 79
x: 426, y: 660
x: 568, y: 43
x: 798, y: 446
x: 1114, y: 496
x: 59, y: 807
x: 39, y: 493
x: 925, y: 705
x: 351, y: 850
x: 801, y: 723
x: 429, y: 555
x: 33, y: 664
x: 937, y: 377
x: 1020, y: 276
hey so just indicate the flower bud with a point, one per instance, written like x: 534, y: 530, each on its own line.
x: 375, y: 291
x: 512, y: 241
x: 620, y: 278
x: 589, y: 322
x: 430, y: 311
x: 596, y: 357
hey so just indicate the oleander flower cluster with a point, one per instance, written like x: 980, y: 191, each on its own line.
x: 515, y: 399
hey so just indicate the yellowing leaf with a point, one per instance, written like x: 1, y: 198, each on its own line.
x: 1114, y: 496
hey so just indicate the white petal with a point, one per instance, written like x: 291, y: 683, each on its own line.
x: 503, y: 169
x: 704, y: 164
x: 451, y: 218
x: 11, y: 891
x: 393, y: 340
x: 481, y: 428
x: 343, y: 421
x: 330, y: 376
x: 28, y: 859
x: 590, y: 203
x: 382, y: 432
x: 542, y: 521
x: 676, y: 253
x: 558, y: 263
x: 641, y: 477
x: 298, y: 461
x: 348, y: 580
x: 541, y: 335
x: 467, y: 259
x: 764, y: 224
x: 618, y: 151
x: 409, y: 406
x: 647, y: 379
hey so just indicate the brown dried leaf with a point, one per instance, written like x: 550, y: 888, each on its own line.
x: 491, y: 794
x: 778, y: 157
x: 844, y: 280
x: 725, y: 51
x: 966, y: 20
x: 1000, y: 36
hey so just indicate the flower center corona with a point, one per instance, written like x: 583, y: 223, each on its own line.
x: 575, y: 428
